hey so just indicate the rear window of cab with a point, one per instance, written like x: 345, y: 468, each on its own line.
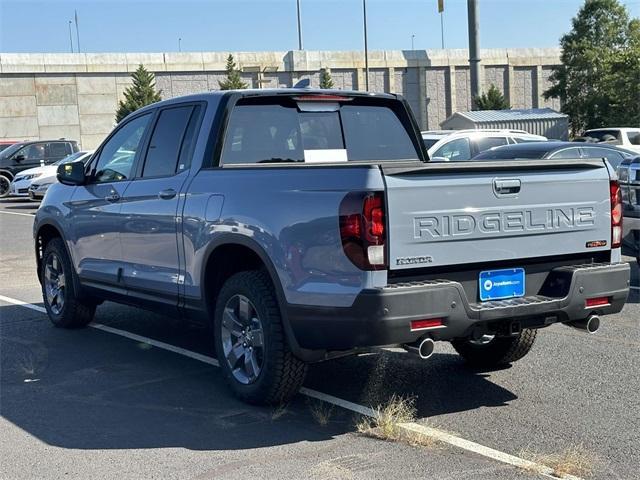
x: 310, y: 129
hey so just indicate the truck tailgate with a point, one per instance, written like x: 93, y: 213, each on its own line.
x: 451, y: 214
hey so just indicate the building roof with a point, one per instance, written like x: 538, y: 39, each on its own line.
x: 482, y: 116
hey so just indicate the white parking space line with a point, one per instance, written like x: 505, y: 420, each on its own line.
x: 18, y: 213
x: 415, y: 428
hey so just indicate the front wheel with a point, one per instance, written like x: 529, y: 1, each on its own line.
x: 495, y: 351
x: 251, y: 344
x: 5, y: 185
x: 64, y: 307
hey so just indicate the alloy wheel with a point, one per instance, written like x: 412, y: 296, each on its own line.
x: 242, y: 339
x: 54, y: 283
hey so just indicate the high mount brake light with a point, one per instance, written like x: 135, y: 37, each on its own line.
x: 616, y: 214
x: 322, y: 98
x: 363, y: 229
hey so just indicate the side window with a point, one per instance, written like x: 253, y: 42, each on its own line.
x: 567, y: 153
x: 166, y: 142
x: 612, y: 156
x: 189, y: 141
x: 634, y: 137
x: 57, y: 150
x: 455, y: 150
x: 485, y: 143
x: 117, y: 155
x: 33, y: 152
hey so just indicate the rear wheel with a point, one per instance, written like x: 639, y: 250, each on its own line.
x: 61, y: 300
x: 250, y: 341
x: 5, y: 185
x: 493, y: 351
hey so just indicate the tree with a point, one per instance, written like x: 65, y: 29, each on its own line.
x: 493, y: 99
x: 142, y: 92
x: 233, y: 81
x: 325, y: 79
x: 597, y: 82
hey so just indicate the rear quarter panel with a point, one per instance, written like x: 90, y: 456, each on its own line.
x: 291, y: 215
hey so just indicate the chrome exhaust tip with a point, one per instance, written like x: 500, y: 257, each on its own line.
x: 424, y: 349
x: 590, y: 325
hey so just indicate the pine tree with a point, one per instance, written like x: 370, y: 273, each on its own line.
x: 233, y: 81
x: 325, y: 79
x: 142, y: 92
x: 493, y: 99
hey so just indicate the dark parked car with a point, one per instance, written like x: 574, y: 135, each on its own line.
x: 539, y: 150
x: 24, y: 155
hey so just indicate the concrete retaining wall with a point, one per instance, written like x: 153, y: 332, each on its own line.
x: 76, y: 95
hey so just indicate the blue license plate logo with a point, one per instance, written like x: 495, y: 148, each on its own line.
x: 501, y: 284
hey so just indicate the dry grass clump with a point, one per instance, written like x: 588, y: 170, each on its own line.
x: 575, y: 460
x: 387, y: 418
x: 321, y: 412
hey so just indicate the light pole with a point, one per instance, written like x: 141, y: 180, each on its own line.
x: 412, y: 38
x: 474, y: 47
x: 299, y: 27
x: 77, y: 32
x: 366, y: 51
x: 179, y: 44
x: 70, y: 36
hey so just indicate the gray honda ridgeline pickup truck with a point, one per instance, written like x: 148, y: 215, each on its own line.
x: 302, y: 225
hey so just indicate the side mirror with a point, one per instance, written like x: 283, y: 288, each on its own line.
x: 18, y: 158
x: 71, y: 173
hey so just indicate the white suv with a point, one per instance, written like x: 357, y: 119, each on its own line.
x: 628, y: 138
x: 459, y: 145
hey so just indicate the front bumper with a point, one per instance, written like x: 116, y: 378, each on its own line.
x: 383, y: 316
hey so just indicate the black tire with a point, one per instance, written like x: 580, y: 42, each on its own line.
x: 281, y: 374
x: 74, y: 312
x: 499, y: 351
x: 5, y: 184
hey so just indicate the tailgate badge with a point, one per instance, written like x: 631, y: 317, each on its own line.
x: 596, y: 243
x: 414, y: 260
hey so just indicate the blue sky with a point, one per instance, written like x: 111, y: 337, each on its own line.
x: 244, y: 25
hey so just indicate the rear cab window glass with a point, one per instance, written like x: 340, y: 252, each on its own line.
x: 286, y: 130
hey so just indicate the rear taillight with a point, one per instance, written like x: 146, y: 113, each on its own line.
x: 616, y: 214
x: 363, y: 229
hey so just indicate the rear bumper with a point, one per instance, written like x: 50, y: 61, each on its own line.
x: 382, y: 316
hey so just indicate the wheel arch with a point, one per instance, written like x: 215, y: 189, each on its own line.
x: 228, y: 248
x: 7, y: 173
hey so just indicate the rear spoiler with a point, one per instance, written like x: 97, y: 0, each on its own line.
x: 519, y: 165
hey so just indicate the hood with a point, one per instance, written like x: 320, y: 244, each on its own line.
x: 37, y: 170
x: 46, y: 178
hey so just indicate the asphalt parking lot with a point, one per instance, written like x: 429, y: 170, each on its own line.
x: 91, y: 404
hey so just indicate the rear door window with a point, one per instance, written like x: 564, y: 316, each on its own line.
x: 485, y: 143
x: 634, y: 137
x: 322, y: 132
x: 612, y: 156
x: 166, y: 142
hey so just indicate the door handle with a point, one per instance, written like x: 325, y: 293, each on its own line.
x: 167, y: 194
x: 506, y: 186
x: 112, y: 197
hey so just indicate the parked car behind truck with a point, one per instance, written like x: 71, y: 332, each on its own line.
x: 308, y: 224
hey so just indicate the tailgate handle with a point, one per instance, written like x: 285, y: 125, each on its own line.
x: 507, y: 186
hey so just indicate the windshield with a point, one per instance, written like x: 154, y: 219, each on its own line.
x: 7, y: 152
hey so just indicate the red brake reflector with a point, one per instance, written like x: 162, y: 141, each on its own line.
x: 596, y: 302
x: 429, y: 323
